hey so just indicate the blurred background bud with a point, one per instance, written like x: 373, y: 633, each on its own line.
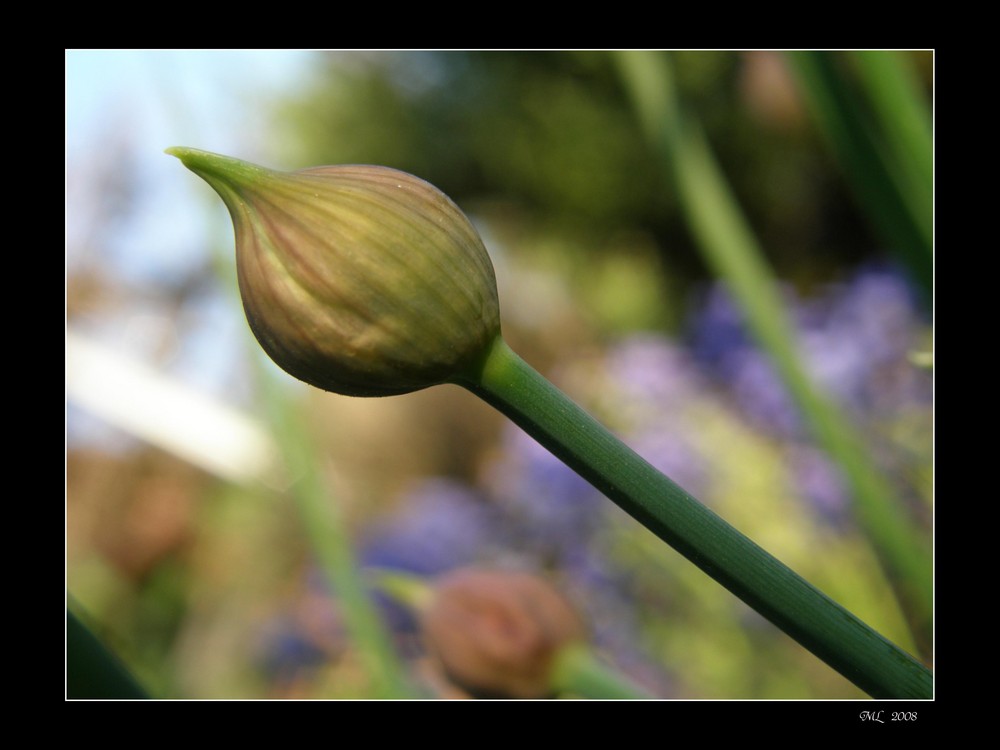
x: 496, y: 633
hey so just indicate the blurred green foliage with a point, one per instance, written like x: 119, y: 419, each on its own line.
x: 554, y: 134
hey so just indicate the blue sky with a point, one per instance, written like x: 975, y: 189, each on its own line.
x: 175, y: 90
x: 150, y: 100
x: 133, y: 104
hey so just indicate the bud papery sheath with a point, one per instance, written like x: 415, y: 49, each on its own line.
x: 361, y: 280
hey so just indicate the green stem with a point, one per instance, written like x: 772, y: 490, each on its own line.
x: 407, y: 589
x: 895, y: 96
x: 814, y: 620
x: 578, y: 672
x: 92, y: 670
x: 897, y: 192
x: 329, y: 540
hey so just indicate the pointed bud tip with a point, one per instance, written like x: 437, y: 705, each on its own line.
x: 207, y: 164
x: 192, y: 158
x: 183, y: 152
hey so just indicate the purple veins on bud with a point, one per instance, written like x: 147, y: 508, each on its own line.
x: 361, y: 280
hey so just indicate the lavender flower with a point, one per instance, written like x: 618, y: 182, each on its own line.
x: 441, y: 525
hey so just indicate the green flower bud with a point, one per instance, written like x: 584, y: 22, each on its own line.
x: 360, y: 280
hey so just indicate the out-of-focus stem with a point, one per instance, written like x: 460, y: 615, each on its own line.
x: 329, y: 541
x: 92, y: 671
x: 578, y: 672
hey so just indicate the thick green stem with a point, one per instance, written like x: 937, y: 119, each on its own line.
x: 814, y: 620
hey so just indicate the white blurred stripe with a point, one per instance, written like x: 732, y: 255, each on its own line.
x: 136, y: 398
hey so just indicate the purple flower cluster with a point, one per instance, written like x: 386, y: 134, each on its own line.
x: 441, y: 524
x: 855, y: 341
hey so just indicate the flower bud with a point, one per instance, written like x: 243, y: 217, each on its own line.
x: 497, y: 633
x: 360, y: 280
